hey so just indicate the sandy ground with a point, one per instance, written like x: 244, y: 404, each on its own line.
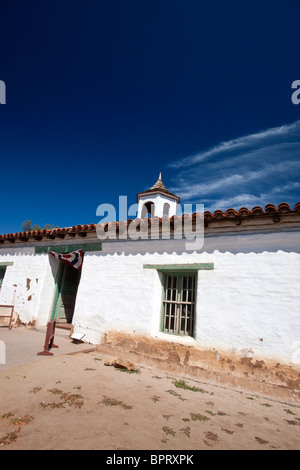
x: 76, y: 402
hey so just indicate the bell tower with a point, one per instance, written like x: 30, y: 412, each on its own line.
x: 157, y: 201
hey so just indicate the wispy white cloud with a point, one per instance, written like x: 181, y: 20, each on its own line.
x: 287, y: 187
x: 260, y: 139
x: 245, y: 200
x: 226, y: 182
x: 254, y: 169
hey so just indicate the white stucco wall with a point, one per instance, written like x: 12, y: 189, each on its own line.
x: 249, y: 302
x: 28, y: 284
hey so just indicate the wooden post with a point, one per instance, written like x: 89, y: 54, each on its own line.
x: 10, y: 316
x: 49, y: 339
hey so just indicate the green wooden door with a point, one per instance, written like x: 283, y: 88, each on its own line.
x: 66, y: 290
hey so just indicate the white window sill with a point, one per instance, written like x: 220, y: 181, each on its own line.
x: 187, y: 340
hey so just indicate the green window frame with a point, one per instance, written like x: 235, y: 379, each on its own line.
x: 179, y: 302
x: 3, y: 266
x: 179, y: 296
x: 2, y: 274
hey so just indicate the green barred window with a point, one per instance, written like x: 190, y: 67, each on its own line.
x: 2, y: 273
x: 179, y: 304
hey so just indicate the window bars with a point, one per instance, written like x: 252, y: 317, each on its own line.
x: 179, y: 304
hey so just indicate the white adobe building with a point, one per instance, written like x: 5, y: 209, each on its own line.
x: 238, y: 292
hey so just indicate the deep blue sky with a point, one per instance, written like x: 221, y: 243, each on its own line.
x: 103, y: 95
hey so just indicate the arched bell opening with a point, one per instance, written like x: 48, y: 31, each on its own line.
x: 166, y: 209
x: 148, y: 210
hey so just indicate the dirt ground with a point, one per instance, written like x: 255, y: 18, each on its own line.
x: 77, y: 402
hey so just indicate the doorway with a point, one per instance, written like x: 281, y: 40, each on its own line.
x: 65, y: 296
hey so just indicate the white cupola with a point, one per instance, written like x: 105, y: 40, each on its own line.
x: 157, y: 201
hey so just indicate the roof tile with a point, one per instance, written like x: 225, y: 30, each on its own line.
x: 218, y: 214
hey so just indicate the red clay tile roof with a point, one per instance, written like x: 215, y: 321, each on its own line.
x: 257, y: 211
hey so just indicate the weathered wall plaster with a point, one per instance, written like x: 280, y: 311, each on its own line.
x: 28, y: 284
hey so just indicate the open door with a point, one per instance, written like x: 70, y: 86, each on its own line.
x: 66, y: 290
